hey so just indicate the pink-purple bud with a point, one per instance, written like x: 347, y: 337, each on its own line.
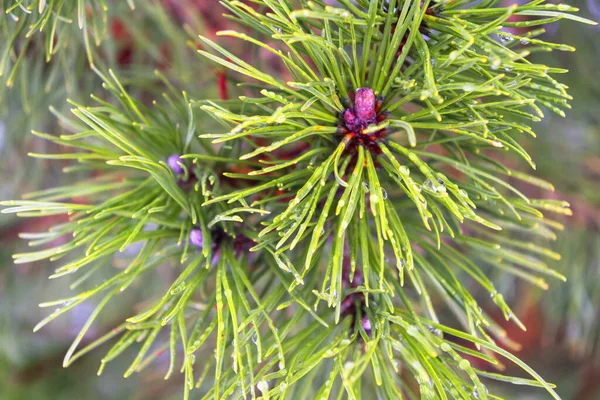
x: 174, y: 162
x: 364, y: 104
x: 366, y: 324
x: 196, y: 237
x: 350, y: 120
x: 363, y: 113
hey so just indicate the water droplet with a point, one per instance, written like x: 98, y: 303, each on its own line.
x: 348, y: 365
x: 428, y: 184
x: 468, y: 88
x: 255, y: 338
x: 263, y: 386
x: 508, y: 68
x: 441, y: 187
x: 329, y: 353
x: 437, y: 332
x: 179, y: 288
x: 524, y: 41
x: 464, y: 364
x: 476, y: 392
x: 384, y: 193
x: 504, y: 39
x: 366, y: 186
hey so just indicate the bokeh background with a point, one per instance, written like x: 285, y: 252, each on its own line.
x: 563, y: 338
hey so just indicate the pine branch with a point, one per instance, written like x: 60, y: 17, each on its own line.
x: 323, y: 226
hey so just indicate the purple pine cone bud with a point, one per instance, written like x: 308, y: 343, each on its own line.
x: 364, y: 104
x: 196, y: 237
x: 366, y: 324
x: 350, y: 120
x: 173, y: 162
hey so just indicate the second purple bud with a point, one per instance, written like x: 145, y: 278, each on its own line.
x: 175, y: 162
x: 196, y: 237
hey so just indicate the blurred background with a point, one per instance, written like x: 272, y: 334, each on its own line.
x: 562, y: 342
